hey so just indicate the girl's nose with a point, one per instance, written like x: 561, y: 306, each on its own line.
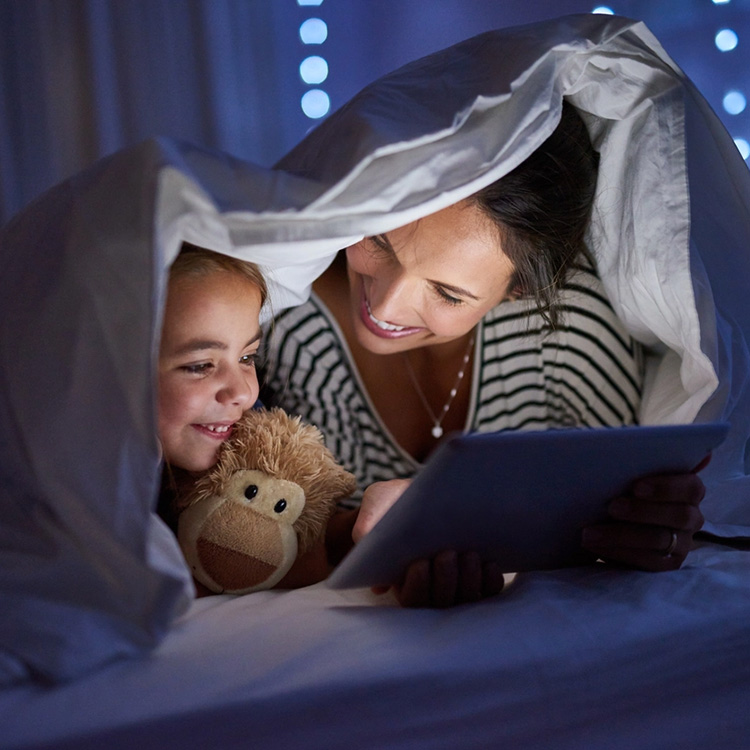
x: 240, y: 388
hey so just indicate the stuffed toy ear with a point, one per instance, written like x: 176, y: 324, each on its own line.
x: 243, y: 540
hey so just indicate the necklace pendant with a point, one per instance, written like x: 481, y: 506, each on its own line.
x: 437, y: 431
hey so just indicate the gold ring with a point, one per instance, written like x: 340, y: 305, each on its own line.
x: 672, y: 545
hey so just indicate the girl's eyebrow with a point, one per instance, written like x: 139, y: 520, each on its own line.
x: 197, y: 345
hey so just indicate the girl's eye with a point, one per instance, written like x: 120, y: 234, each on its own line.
x: 200, y: 368
x: 249, y: 359
x: 447, y: 298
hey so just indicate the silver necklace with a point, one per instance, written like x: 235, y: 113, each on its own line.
x: 437, y: 430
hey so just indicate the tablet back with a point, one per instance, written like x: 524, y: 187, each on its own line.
x: 519, y: 498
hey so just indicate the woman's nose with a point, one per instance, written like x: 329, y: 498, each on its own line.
x: 391, y: 298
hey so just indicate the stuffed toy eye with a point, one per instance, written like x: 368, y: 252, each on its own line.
x: 280, y: 506
x: 251, y: 491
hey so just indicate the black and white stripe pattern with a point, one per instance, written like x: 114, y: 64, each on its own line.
x: 587, y: 373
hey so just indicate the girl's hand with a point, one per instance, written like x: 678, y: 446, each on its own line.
x: 652, y: 527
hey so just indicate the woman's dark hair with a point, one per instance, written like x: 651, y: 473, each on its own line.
x: 542, y: 209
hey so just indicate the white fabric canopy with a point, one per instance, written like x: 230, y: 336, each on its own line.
x: 87, y: 573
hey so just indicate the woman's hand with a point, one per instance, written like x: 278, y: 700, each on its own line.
x: 652, y: 527
x: 376, y: 500
x: 446, y: 579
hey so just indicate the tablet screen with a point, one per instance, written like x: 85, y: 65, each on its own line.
x: 519, y: 498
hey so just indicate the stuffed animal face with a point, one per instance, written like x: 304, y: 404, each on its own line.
x: 269, y: 496
x: 243, y: 540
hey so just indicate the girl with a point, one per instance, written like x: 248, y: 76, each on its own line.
x: 207, y: 376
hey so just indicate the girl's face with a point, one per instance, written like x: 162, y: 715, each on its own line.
x: 435, y: 282
x: 207, y: 378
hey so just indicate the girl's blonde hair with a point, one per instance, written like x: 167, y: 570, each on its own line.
x: 198, y: 261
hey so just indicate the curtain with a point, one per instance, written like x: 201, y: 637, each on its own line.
x: 82, y: 78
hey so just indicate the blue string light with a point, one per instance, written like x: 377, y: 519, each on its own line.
x: 734, y: 102
x: 726, y: 40
x: 313, y: 31
x: 313, y: 69
x: 315, y: 103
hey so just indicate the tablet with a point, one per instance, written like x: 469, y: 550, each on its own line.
x: 519, y: 498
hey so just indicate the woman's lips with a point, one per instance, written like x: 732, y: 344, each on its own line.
x: 380, y: 327
x: 218, y: 431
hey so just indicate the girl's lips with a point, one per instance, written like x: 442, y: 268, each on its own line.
x: 380, y: 327
x: 218, y: 431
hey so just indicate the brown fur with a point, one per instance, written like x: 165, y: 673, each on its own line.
x: 286, y: 448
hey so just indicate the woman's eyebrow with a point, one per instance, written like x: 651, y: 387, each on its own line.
x: 460, y: 291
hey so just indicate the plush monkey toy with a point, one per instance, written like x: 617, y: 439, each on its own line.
x: 269, y: 496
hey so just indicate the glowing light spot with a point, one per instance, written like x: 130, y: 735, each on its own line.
x: 720, y: 2
x: 309, y: 2
x: 313, y: 69
x: 734, y: 102
x: 743, y: 146
x: 313, y: 31
x: 315, y: 103
x: 726, y: 40
x: 603, y: 10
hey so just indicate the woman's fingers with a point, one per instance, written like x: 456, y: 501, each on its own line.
x: 670, y: 488
x: 678, y: 516
x: 647, y: 547
x: 653, y: 526
x: 414, y: 590
x: 470, y: 580
x: 448, y: 579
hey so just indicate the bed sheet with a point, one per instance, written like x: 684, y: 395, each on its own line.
x: 590, y: 657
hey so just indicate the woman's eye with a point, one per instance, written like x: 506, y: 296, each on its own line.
x: 449, y: 298
x: 248, y: 359
x: 380, y: 245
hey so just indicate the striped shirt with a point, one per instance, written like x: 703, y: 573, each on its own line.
x: 586, y: 373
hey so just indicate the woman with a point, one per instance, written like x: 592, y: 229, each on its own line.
x: 484, y: 315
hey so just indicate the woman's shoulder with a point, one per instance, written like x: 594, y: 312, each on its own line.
x: 301, y: 321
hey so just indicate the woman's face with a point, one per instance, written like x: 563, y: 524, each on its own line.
x: 207, y: 377
x: 428, y: 282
